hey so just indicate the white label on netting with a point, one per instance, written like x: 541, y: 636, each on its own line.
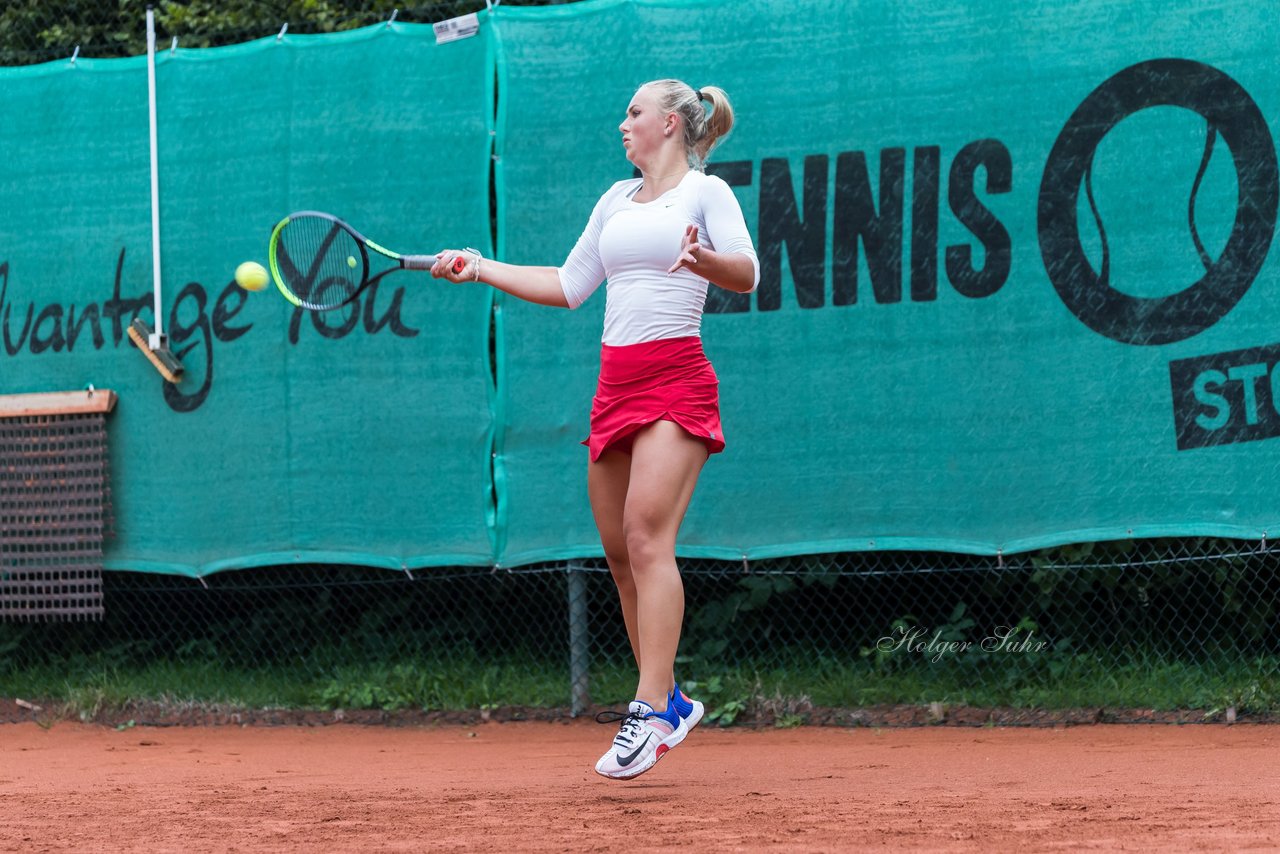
x: 453, y: 29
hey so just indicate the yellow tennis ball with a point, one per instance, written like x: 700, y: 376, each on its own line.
x: 351, y: 261
x: 251, y: 276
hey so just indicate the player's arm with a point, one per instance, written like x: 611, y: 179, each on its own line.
x: 733, y: 264
x: 567, y: 286
x: 733, y: 271
x: 539, y: 285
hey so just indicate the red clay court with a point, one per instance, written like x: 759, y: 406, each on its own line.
x: 529, y: 786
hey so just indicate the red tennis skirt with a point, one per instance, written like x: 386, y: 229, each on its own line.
x: 665, y: 380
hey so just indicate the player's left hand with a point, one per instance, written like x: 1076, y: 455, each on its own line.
x: 690, y: 249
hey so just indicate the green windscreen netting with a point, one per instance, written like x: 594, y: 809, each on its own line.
x: 1015, y: 286
x: 359, y: 435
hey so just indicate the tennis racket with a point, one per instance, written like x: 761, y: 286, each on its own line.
x: 321, y: 263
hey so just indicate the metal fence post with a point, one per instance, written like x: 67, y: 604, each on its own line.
x: 579, y: 641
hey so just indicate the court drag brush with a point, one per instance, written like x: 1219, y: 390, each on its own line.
x: 160, y: 357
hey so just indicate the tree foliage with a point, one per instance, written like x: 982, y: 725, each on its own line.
x: 33, y: 31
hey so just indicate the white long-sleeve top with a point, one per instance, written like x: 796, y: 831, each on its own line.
x: 633, y: 244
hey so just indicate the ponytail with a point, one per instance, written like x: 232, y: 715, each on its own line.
x: 703, y: 130
x: 716, y: 124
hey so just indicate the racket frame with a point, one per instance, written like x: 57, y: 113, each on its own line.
x: 403, y: 262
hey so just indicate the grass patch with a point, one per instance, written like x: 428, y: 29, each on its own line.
x: 99, y: 683
x: 782, y: 691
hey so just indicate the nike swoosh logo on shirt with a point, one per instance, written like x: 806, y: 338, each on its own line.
x: 624, y: 761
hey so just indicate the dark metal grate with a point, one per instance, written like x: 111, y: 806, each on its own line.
x: 54, y: 501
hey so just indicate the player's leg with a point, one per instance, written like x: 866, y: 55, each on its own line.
x: 665, y: 464
x: 607, y: 481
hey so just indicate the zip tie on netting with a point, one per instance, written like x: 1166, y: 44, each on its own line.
x: 173, y: 46
x: 392, y: 19
x: 283, y: 30
x: 74, y: 54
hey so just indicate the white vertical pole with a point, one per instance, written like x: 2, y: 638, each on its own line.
x: 157, y: 337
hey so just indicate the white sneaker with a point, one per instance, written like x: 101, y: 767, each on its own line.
x: 644, y: 737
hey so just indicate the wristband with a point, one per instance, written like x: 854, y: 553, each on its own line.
x: 475, y: 277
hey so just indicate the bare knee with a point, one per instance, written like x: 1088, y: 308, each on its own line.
x: 647, y: 545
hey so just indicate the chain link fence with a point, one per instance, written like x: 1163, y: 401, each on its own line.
x: 1170, y: 630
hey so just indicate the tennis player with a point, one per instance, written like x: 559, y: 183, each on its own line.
x: 659, y: 240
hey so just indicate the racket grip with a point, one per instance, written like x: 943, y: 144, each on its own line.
x: 426, y: 262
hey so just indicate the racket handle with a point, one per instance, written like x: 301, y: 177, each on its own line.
x: 426, y: 262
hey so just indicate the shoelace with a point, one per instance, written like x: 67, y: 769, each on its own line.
x: 631, y: 724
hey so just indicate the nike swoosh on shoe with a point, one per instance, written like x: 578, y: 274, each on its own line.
x: 624, y: 761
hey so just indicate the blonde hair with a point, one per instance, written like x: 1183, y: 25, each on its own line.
x: 703, y: 130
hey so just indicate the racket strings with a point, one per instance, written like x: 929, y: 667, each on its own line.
x: 320, y: 262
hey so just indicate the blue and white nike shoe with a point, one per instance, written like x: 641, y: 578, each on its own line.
x: 644, y: 737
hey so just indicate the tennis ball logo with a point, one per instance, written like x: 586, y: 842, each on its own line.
x: 251, y: 276
x: 1087, y: 289
x: 1157, y: 203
